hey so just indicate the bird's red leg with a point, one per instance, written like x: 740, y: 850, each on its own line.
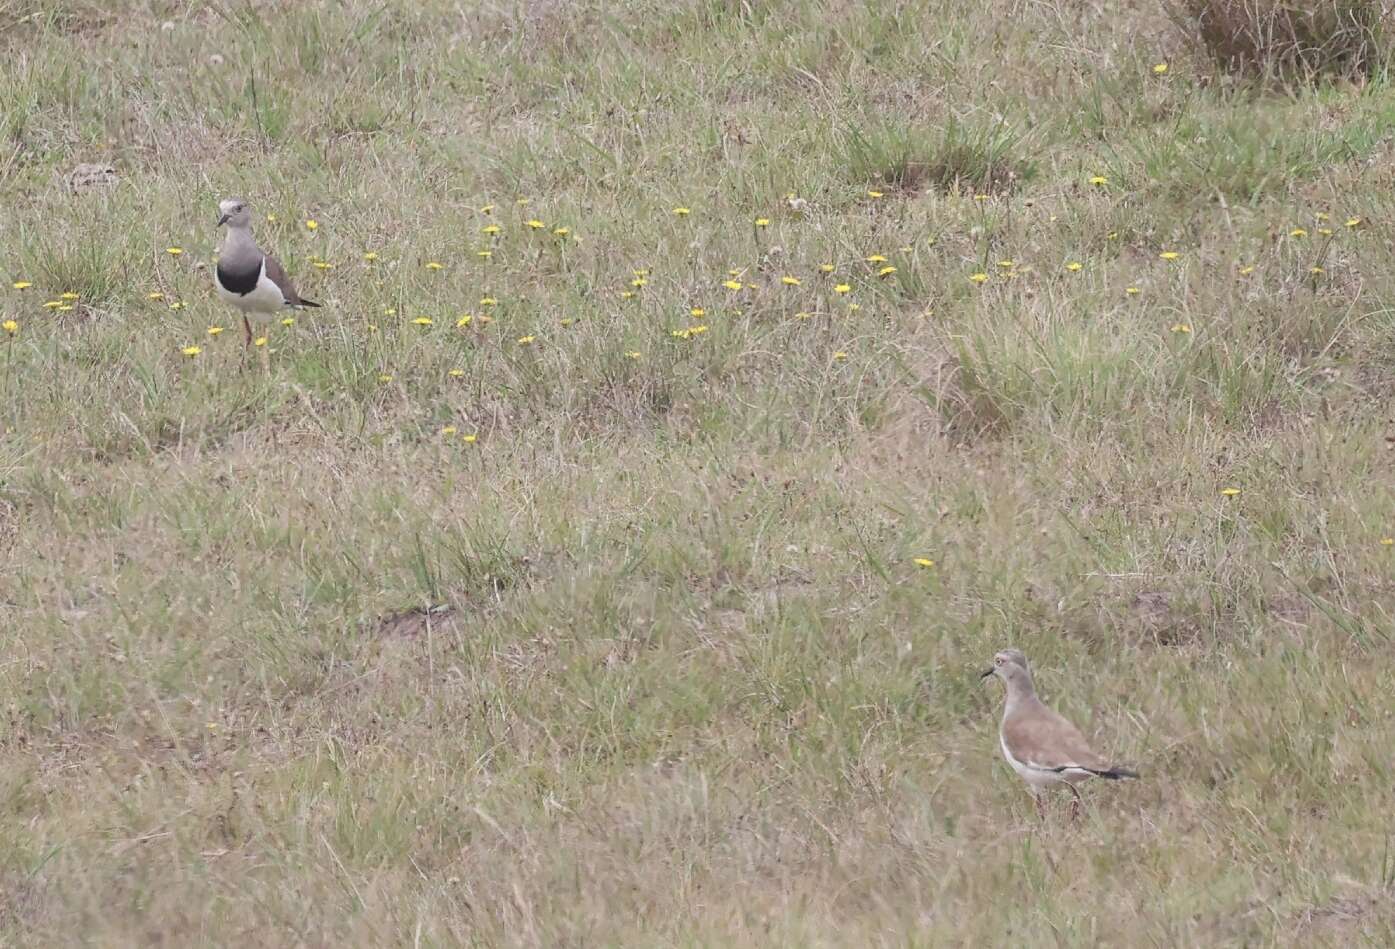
x: 247, y: 329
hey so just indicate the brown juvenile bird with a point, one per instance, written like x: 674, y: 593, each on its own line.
x: 1041, y: 746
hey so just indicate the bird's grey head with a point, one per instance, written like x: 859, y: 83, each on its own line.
x: 234, y: 212
x: 1010, y: 666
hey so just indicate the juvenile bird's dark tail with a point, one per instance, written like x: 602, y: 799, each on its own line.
x: 1115, y: 774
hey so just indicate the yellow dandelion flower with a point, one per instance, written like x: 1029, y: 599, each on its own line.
x: 682, y: 212
x: 1325, y: 231
x: 21, y: 285
x: 979, y: 277
x: 854, y: 307
x: 842, y: 288
x: 876, y: 259
x: 536, y: 225
x: 174, y: 251
x: 732, y: 284
x: 1181, y: 327
x: 762, y: 222
x: 385, y: 377
x: 175, y: 306
x: 980, y: 197
x: 789, y: 281
x: 803, y: 315
x: 561, y: 232
x: 696, y: 330
x: 525, y: 340
x: 639, y: 282
x: 456, y: 373
x: 423, y: 321
x: 312, y: 225
x: 191, y: 351
x: 486, y: 254
x: 259, y: 341
x: 627, y: 294
x: 924, y: 562
x: 521, y: 200
x: 632, y: 354
x: 1247, y: 270
x: 448, y: 430
x: 464, y: 321
x: 70, y: 295
x: 1132, y: 291
x: 1159, y: 69
x: 389, y: 311
x: 371, y: 256
x: 697, y: 312
x: 886, y: 271
x: 825, y: 268
x: 874, y: 194
x: 1316, y: 270
x: 488, y: 301
x: 214, y: 330
x: 271, y: 219
x: 487, y: 209
x: 491, y: 229
x: 1075, y: 266
x: 1169, y: 255
x: 52, y: 304
x: 840, y: 355
x: 469, y: 439
x: 65, y: 307
x: 10, y: 326
x: 567, y: 321
x: 323, y: 265
x: 1007, y: 264
x: 1099, y: 180
x: 154, y: 295
x: 1298, y: 232
x: 434, y: 265
x: 1387, y: 541
x: 1230, y: 492
x: 288, y: 321
x: 1352, y: 222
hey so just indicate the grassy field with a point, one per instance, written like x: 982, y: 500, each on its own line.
x: 815, y: 351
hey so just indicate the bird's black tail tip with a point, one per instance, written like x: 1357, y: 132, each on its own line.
x: 1118, y: 774
x: 309, y: 303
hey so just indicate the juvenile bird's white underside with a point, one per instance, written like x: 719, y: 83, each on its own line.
x: 262, y: 304
x: 1039, y: 777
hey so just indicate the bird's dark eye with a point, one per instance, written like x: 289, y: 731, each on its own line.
x: 997, y: 660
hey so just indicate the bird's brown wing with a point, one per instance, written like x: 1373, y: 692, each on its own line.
x: 277, y: 275
x: 1046, y: 740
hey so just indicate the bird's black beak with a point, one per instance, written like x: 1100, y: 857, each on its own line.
x: 223, y: 220
x: 986, y: 673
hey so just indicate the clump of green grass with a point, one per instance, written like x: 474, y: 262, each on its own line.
x: 1286, y: 40
x: 959, y: 158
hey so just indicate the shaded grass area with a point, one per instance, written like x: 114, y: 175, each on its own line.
x: 563, y: 581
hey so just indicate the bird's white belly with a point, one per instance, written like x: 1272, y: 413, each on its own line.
x: 262, y: 304
x: 1033, y: 776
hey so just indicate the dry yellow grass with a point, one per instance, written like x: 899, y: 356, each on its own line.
x: 431, y: 636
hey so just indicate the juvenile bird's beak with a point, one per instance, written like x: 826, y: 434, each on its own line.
x: 223, y: 220
x: 986, y: 673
